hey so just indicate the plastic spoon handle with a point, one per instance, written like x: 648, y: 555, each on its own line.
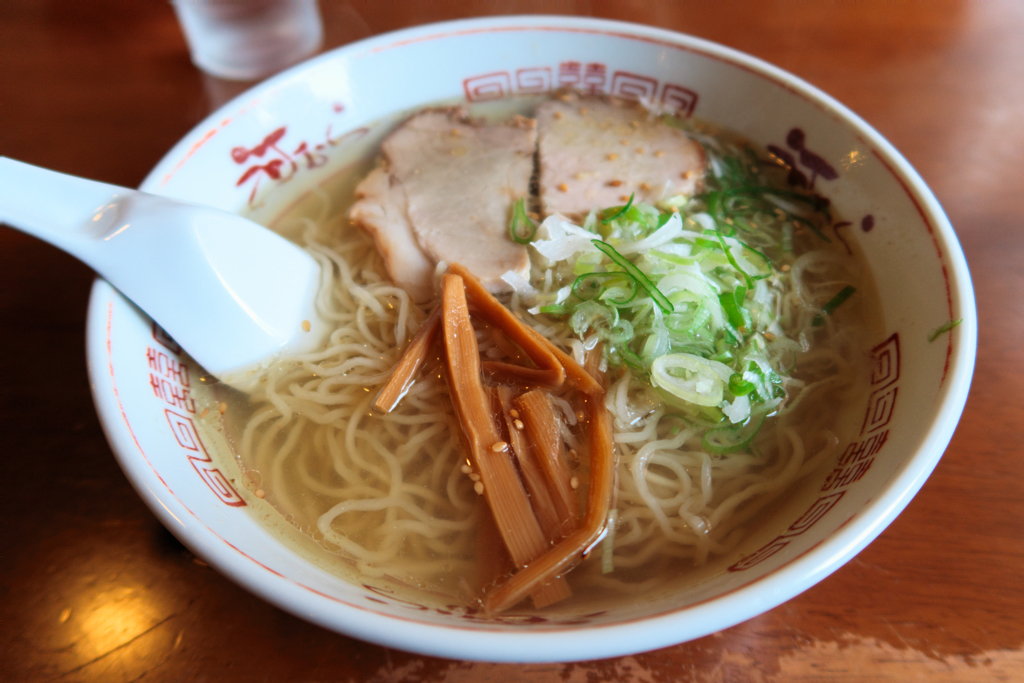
x: 231, y: 292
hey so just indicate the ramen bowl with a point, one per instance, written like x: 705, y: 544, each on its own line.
x: 262, y: 151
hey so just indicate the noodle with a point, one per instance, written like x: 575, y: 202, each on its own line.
x: 390, y: 493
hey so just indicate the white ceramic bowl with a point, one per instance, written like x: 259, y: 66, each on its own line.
x: 274, y: 142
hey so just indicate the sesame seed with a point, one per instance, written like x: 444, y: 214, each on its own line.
x: 474, y: 476
x: 646, y: 187
x: 659, y: 153
x: 614, y: 183
x: 623, y: 197
x: 456, y: 132
x: 499, y: 446
x: 260, y: 493
x: 519, y: 424
x: 574, y: 455
x: 639, y: 150
x: 558, y: 114
x: 479, y: 488
x: 206, y: 411
x: 623, y: 141
x: 466, y: 469
x: 634, y: 123
x: 534, y: 215
x: 514, y: 413
x: 574, y: 483
x: 612, y: 157
x: 222, y: 408
x: 563, y: 188
x: 687, y: 175
x: 769, y: 336
x: 306, y: 326
x: 785, y: 267
x: 583, y: 111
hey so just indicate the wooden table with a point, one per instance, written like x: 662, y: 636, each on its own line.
x: 92, y: 588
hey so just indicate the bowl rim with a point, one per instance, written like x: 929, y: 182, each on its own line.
x: 549, y: 644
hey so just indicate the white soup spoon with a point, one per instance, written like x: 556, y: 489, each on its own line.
x: 232, y: 293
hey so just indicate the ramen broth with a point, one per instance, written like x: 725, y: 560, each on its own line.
x: 389, y: 495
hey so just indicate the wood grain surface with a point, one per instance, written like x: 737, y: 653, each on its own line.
x: 92, y: 588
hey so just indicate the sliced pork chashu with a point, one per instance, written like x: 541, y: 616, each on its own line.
x: 447, y: 188
x: 595, y: 152
x: 381, y: 211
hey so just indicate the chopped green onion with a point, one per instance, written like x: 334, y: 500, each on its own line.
x: 813, y: 228
x: 817, y: 203
x: 636, y: 215
x: 699, y: 345
x: 732, y: 335
x: 631, y: 359
x: 700, y: 319
x: 603, y: 320
x: 838, y: 300
x: 689, y: 377
x: 670, y: 418
x: 619, y: 333
x: 739, y: 386
x: 767, y: 269
x: 637, y: 274
x: 732, y: 304
x: 732, y: 261
x: 588, y: 286
x: 622, y: 210
x: 767, y: 385
x: 724, y: 440
x: 787, y: 237
x: 521, y: 229
x: 743, y: 225
x: 592, y: 314
x: 934, y: 334
x: 712, y: 199
x: 834, y: 303
x: 677, y: 322
x: 723, y: 357
x: 696, y: 257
